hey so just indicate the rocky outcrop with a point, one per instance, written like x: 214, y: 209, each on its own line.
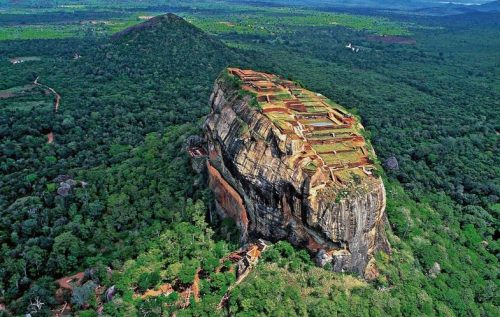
x: 391, y: 163
x: 66, y: 184
x: 279, y: 171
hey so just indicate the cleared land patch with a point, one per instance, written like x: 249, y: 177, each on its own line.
x: 391, y: 39
x: 22, y: 59
x: 17, y: 91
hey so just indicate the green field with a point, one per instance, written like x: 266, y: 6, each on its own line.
x: 240, y: 19
x: 30, y: 32
x: 276, y: 21
x: 28, y: 105
x: 15, y: 90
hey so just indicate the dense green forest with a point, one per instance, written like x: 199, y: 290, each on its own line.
x: 115, y: 189
x: 123, y: 120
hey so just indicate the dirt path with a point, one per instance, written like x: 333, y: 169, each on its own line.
x: 57, y: 102
x: 196, y: 286
x: 57, y: 97
x: 68, y: 282
x: 50, y: 137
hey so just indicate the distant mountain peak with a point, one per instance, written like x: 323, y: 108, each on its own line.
x: 157, y: 21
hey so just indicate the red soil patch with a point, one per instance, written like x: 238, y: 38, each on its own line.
x: 253, y: 252
x: 196, y: 286
x: 66, y: 285
x: 184, y: 293
x: 68, y: 282
x: 164, y: 289
x: 50, y: 137
x: 391, y: 39
x: 313, y: 244
x: 276, y: 109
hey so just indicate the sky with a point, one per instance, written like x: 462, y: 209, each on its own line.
x: 467, y: 2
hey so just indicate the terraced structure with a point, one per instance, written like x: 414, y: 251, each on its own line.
x: 287, y: 163
x: 322, y: 134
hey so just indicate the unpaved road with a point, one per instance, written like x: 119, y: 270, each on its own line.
x: 57, y: 102
x: 50, y: 137
x: 57, y: 97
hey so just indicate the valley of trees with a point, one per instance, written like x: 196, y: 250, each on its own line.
x: 133, y: 204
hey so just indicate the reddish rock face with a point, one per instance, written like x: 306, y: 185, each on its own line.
x: 229, y: 201
x: 282, y: 173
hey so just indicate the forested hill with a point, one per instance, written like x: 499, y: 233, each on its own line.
x: 152, y: 26
x: 166, y: 55
x: 127, y: 106
x: 145, y: 80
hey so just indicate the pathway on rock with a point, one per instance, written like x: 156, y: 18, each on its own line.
x: 247, y: 260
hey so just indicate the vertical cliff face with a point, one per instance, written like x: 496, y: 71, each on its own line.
x: 287, y: 163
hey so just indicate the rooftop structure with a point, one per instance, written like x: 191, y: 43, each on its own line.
x: 323, y: 135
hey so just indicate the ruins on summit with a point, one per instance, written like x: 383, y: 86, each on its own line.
x: 288, y: 163
x: 322, y: 134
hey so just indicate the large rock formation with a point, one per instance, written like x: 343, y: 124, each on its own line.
x: 286, y: 163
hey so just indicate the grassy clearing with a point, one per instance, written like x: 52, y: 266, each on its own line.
x: 27, y: 105
x: 331, y: 147
x: 30, y: 32
x: 88, y: 28
x: 348, y: 174
x: 22, y: 59
x: 16, y: 91
x: 247, y: 20
x: 272, y: 21
x: 66, y: 30
x: 340, y: 158
x: 24, y: 98
x: 330, y: 131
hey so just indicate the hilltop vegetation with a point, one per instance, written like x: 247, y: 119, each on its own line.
x: 128, y: 105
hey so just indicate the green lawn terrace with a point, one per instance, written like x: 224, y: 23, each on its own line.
x: 23, y: 93
x: 322, y: 136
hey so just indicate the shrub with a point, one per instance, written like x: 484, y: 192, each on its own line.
x: 148, y: 280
